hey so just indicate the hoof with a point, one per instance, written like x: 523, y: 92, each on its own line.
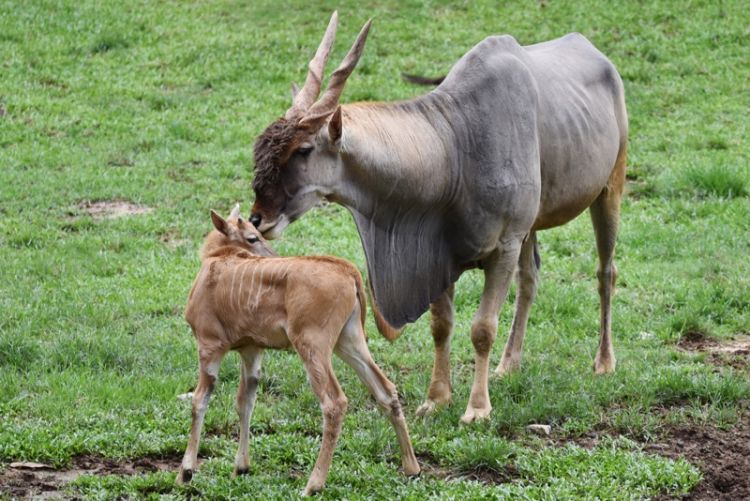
x: 184, y: 476
x: 241, y: 471
x: 427, y: 408
x: 473, y: 414
x: 431, y: 405
x: 507, y: 366
x: 604, y: 366
x: 311, y: 490
x: 412, y: 471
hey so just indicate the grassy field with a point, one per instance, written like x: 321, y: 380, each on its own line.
x: 158, y: 104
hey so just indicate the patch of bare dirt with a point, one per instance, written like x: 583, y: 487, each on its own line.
x: 723, y: 456
x: 483, y: 474
x: 44, y: 482
x: 110, y: 209
x: 731, y: 352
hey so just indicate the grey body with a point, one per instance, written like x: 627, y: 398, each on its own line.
x: 530, y: 136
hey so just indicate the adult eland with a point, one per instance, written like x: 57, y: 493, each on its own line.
x: 514, y: 140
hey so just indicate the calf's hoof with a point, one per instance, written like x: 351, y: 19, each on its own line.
x: 311, y: 490
x: 604, y: 365
x: 412, y: 470
x: 240, y: 471
x: 184, y: 476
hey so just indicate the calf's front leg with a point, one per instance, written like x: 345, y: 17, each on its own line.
x: 208, y: 373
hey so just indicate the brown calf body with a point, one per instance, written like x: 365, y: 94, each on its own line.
x: 247, y: 299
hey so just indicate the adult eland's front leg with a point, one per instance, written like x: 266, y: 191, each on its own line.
x: 442, y: 329
x: 498, y: 273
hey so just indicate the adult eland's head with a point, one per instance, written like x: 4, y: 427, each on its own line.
x: 297, y: 157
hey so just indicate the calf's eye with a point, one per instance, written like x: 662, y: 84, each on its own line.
x: 252, y: 239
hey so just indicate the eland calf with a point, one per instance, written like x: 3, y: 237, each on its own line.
x: 247, y: 299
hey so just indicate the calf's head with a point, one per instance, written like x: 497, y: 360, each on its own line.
x: 236, y: 231
x: 297, y: 158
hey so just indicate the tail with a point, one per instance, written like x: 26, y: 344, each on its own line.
x: 361, y: 298
x: 387, y: 330
x: 421, y: 80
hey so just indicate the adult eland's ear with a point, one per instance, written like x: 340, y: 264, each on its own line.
x: 334, y: 126
x: 219, y: 222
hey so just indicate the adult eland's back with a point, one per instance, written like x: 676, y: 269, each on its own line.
x: 515, y: 139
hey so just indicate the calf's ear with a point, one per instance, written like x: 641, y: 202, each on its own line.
x: 219, y: 222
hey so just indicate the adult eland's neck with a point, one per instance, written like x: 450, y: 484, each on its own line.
x: 396, y: 151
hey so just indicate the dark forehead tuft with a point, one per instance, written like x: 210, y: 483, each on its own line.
x: 272, y: 150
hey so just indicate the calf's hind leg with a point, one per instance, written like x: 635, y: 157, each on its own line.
x: 352, y: 348
x: 250, y: 374
x: 316, y: 357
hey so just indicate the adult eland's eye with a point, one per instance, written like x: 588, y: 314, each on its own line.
x: 252, y: 239
x: 304, y: 150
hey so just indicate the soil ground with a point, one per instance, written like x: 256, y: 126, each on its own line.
x: 108, y: 209
x: 44, y: 483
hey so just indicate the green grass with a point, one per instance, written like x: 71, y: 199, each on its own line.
x: 158, y: 103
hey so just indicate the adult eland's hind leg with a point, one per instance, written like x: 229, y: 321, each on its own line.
x: 442, y: 328
x: 352, y: 348
x: 251, y: 357
x: 528, y: 270
x: 605, y: 216
x: 498, y: 272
